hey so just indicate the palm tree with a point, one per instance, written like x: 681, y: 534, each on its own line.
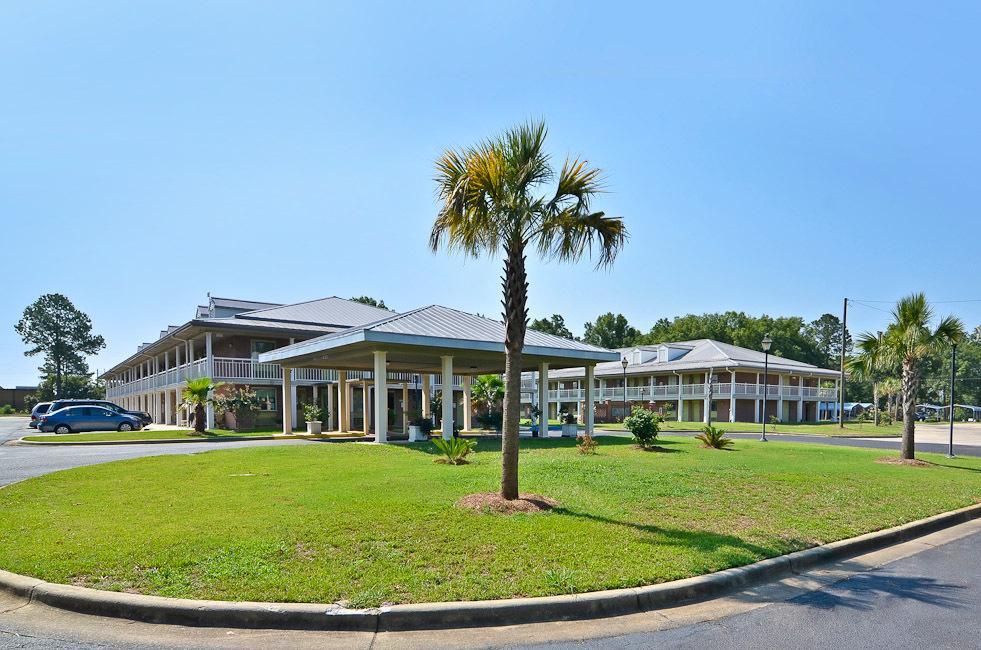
x: 891, y: 387
x: 487, y: 391
x: 906, y: 342
x: 491, y: 205
x: 197, y: 393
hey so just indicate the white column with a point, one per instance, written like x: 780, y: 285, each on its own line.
x: 209, y: 369
x: 381, y: 397
x: 288, y: 395
x: 447, y: 393
x: 366, y: 406
x: 681, y: 400
x: 342, y: 402
x: 467, y: 405
x: 177, y: 405
x: 331, y: 407
x: 316, y: 394
x: 426, y: 409
x: 543, y: 400
x: 405, y: 408
x: 800, y: 398
x: 756, y: 416
x: 706, y: 403
x: 590, y: 398
x: 732, y: 396
x: 166, y: 396
x: 780, y: 414
x: 295, y: 419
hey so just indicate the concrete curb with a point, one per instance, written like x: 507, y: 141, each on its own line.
x: 513, y: 611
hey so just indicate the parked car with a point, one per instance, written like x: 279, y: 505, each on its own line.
x: 39, y: 409
x: 143, y: 416
x: 73, y: 419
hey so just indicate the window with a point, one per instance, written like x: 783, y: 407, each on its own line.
x: 267, y: 398
x: 259, y: 346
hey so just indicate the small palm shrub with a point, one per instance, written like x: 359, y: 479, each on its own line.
x: 774, y: 421
x: 644, y: 424
x: 713, y: 437
x: 455, y: 450
x: 586, y: 444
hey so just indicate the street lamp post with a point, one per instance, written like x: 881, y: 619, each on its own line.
x: 765, y: 344
x: 953, y: 372
x: 623, y: 362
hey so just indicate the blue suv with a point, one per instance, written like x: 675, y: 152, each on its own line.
x: 87, y: 418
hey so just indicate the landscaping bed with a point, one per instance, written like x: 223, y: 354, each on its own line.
x: 851, y: 429
x: 374, y: 524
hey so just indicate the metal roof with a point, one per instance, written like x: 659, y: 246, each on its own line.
x: 236, y: 303
x: 704, y: 354
x: 434, y: 327
x: 323, y: 311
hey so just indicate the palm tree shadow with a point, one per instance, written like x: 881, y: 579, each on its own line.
x: 861, y: 592
x: 701, y: 540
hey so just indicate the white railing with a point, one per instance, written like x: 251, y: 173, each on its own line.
x: 245, y: 371
x: 687, y: 391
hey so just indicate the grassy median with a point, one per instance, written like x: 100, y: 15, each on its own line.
x: 370, y: 524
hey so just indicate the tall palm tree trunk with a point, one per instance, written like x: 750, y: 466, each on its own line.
x: 515, y: 321
x: 199, y: 418
x: 910, y: 387
x: 875, y: 402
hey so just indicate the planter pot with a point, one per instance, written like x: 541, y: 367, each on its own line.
x: 416, y: 434
x: 570, y: 430
x: 314, y: 428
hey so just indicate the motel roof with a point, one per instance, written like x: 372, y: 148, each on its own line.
x: 699, y: 355
x: 415, y: 340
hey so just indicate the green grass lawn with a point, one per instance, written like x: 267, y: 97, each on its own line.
x: 146, y: 435
x: 866, y: 429
x: 371, y: 524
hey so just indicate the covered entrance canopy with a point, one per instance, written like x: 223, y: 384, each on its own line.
x: 436, y: 340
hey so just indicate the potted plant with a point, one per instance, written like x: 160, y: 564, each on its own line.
x: 419, y: 427
x: 314, y: 415
x: 570, y: 427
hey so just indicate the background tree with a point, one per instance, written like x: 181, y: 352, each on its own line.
x: 368, y: 300
x: 491, y: 204
x: 554, y: 325
x: 54, y: 327
x: 907, y: 341
x: 487, y: 392
x: 825, y: 332
x: 72, y: 387
x: 611, y: 331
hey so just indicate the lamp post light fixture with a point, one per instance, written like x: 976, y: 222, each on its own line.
x: 623, y: 362
x: 765, y: 344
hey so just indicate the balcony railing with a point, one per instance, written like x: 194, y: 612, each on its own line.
x: 248, y: 371
x: 687, y: 391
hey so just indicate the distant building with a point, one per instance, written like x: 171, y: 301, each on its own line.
x: 15, y: 396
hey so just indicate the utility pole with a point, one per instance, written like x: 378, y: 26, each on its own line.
x: 953, y: 373
x: 841, y: 384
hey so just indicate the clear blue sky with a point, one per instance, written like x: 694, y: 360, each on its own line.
x: 771, y: 160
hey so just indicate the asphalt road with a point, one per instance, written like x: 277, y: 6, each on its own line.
x: 928, y: 600
x: 19, y: 462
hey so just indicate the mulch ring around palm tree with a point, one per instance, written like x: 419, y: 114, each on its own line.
x: 895, y: 460
x: 493, y: 502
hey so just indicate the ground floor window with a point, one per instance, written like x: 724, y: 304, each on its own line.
x: 267, y: 398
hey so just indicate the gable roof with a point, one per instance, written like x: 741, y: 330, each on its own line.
x: 436, y: 326
x: 332, y: 311
x: 702, y: 354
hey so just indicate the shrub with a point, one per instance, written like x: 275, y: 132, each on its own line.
x: 242, y: 403
x: 455, y: 450
x: 492, y: 420
x: 416, y: 420
x: 713, y: 437
x: 569, y: 418
x: 774, y: 421
x: 884, y: 419
x: 644, y: 425
x: 7, y: 409
x: 313, y: 413
x: 586, y: 444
